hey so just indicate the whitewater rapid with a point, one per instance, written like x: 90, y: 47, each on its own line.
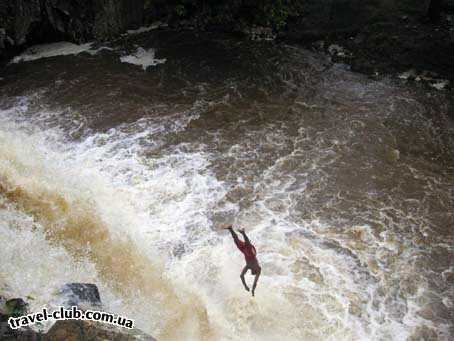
x: 136, y: 209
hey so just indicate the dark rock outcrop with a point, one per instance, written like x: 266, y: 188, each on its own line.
x: 76, y: 293
x: 13, y: 307
x: 327, y: 17
x: 36, y: 21
x: 383, y: 36
x: 76, y: 330
x: 434, y: 11
x: 112, y: 17
x: 88, y: 330
x: 23, y: 334
x: 451, y: 105
x: 25, y: 22
x: 80, y: 294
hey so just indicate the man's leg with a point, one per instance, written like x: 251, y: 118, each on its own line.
x: 257, y: 275
x: 245, y: 269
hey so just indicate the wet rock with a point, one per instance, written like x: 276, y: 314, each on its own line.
x: 335, y: 14
x: 114, y: 17
x: 15, y: 307
x: 2, y: 38
x: 336, y: 50
x: 25, y: 13
x: 451, y: 105
x: 81, y: 295
x: 394, y: 41
x: 74, y: 330
x: 364, y: 65
x: 39, y: 21
x: 82, y: 20
x: 23, y: 334
x: 3, y: 316
x: 88, y: 330
x: 260, y: 33
x: 434, y: 11
x: 65, y: 330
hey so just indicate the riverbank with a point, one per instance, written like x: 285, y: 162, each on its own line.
x: 392, y: 46
x: 375, y: 38
x: 410, y: 48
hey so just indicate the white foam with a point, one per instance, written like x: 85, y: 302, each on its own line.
x: 62, y: 48
x: 142, y: 57
x: 145, y: 28
x: 106, y: 162
x: 407, y: 74
x: 440, y: 84
x: 40, y: 277
x: 164, y: 204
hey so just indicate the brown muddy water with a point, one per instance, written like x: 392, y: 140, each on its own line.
x: 121, y: 177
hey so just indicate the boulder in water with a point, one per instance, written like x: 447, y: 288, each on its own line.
x: 90, y: 330
x: 14, y: 307
x: 80, y: 294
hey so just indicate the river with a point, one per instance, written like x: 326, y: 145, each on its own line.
x: 122, y: 177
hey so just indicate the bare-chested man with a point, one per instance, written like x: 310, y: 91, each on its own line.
x: 249, y: 255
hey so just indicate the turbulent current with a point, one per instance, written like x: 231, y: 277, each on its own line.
x: 122, y: 177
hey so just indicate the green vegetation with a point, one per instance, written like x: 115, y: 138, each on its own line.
x: 180, y: 10
x: 269, y: 13
x: 273, y: 13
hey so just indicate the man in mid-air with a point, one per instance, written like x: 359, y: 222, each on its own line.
x: 249, y: 255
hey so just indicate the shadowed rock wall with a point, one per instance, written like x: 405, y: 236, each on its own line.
x: 26, y: 22
x: 35, y: 21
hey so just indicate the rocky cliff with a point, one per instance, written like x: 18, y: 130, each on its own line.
x: 24, y: 22
x: 82, y: 295
x: 381, y: 36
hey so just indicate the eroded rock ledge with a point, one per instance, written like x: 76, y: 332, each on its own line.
x: 35, y: 21
x: 83, y: 295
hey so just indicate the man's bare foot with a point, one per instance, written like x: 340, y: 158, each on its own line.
x: 246, y: 287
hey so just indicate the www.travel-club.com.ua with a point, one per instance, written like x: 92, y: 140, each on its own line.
x: 74, y: 313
